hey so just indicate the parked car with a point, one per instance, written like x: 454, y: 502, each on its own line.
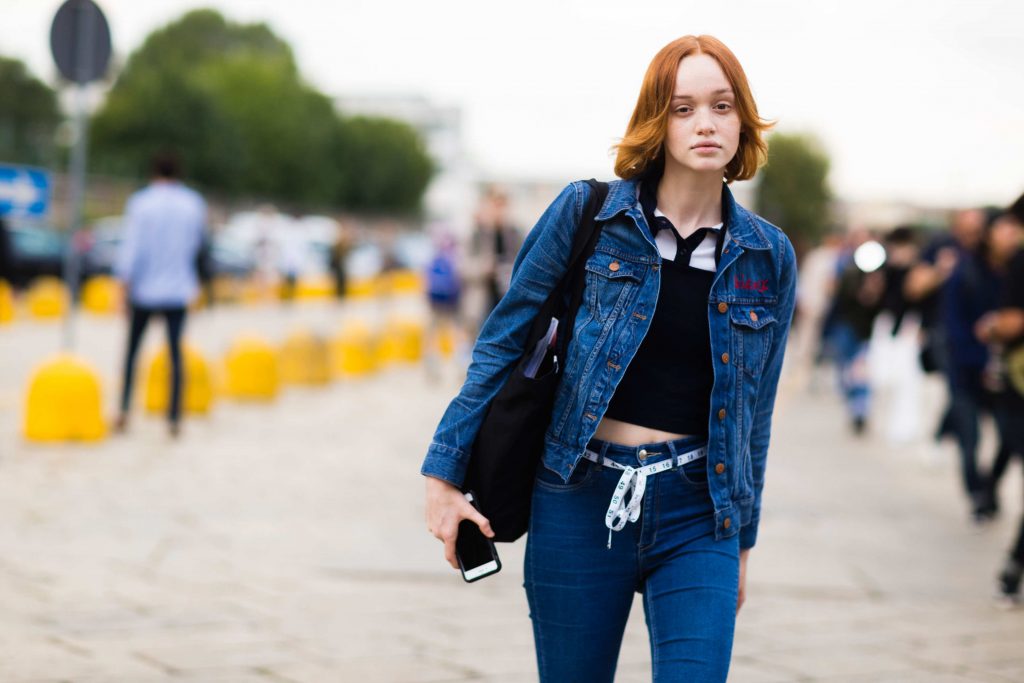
x: 97, y: 249
x: 36, y: 249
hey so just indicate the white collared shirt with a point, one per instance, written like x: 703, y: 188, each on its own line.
x: 703, y: 257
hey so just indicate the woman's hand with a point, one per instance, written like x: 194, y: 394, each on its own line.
x: 446, y: 507
x: 743, y: 579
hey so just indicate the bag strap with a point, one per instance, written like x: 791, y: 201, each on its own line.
x: 584, y: 242
x: 565, y: 298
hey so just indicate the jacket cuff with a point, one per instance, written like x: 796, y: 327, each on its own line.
x: 445, y: 462
x: 748, y: 535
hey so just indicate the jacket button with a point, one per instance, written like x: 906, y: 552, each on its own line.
x: 723, y: 307
x: 727, y: 523
x: 725, y: 358
x: 753, y: 316
x: 721, y: 414
x: 719, y: 468
x: 656, y: 267
x: 613, y: 266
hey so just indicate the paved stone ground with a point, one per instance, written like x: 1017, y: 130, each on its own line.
x: 286, y: 543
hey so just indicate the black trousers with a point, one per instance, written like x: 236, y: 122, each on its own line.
x: 1010, y: 421
x: 175, y: 319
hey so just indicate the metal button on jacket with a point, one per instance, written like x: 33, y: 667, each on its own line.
x: 723, y: 307
x: 613, y: 266
x: 721, y: 414
x: 725, y: 358
x: 753, y: 316
x: 719, y: 468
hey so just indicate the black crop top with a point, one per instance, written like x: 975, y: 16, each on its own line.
x: 667, y: 384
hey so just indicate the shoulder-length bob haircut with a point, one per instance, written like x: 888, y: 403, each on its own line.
x: 643, y: 144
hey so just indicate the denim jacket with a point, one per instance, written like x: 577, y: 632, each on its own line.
x: 749, y: 311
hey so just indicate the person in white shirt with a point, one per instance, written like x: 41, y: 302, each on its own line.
x: 157, y: 263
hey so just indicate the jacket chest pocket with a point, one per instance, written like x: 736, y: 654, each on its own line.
x: 609, y: 281
x: 751, y: 331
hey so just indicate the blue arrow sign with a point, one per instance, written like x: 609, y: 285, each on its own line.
x: 24, y: 191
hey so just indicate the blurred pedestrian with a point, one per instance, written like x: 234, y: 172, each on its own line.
x: 925, y: 286
x: 6, y: 257
x: 665, y: 402
x: 973, y: 289
x: 815, y: 291
x: 340, y: 250
x: 1005, y: 328
x: 444, y: 295
x: 164, y: 228
x: 265, y: 258
x: 493, y: 248
x: 857, y: 302
x: 895, y: 340
x: 291, y: 257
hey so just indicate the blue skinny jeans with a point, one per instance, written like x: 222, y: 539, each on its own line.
x: 580, y: 591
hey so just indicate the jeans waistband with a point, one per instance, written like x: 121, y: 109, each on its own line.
x: 647, y: 453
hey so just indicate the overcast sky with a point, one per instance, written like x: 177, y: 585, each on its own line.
x: 917, y: 100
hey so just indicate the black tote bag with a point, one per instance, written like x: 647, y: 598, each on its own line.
x: 509, y: 445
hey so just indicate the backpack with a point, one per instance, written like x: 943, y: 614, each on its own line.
x: 442, y: 278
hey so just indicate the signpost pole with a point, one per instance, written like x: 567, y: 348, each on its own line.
x: 84, y: 47
x: 76, y: 197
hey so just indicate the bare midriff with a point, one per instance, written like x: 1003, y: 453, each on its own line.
x: 628, y: 434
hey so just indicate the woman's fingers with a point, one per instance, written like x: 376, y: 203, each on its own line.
x: 480, y: 521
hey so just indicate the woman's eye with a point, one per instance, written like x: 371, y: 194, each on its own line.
x: 682, y: 110
x: 724, y: 106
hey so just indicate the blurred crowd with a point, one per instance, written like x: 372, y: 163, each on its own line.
x: 888, y: 310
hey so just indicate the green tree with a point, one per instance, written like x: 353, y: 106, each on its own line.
x: 289, y: 129
x: 793, y: 191
x: 29, y: 115
x: 230, y: 98
x: 385, y: 165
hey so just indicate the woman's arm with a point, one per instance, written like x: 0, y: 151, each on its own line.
x: 762, y: 425
x: 538, y: 267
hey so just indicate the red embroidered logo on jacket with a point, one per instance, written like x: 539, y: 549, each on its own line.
x: 747, y: 283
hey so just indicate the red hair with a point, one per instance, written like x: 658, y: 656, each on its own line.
x: 644, y: 141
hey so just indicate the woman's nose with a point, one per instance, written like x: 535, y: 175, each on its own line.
x: 705, y: 121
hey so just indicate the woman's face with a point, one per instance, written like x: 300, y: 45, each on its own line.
x: 703, y: 124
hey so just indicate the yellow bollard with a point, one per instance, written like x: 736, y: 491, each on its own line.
x: 252, y: 370
x: 64, y: 402
x: 446, y: 339
x: 101, y: 294
x: 47, y: 298
x: 353, y: 352
x: 305, y: 359
x: 197, y: 384
x: 6, y: 302
x: 315, y: 287
x: 402, y: 340
x: 406, y: 282
x: 257, y: 291
x: 363, y: 288
x: 226, y: 289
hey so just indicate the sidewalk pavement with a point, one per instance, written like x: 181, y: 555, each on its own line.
x: 286, y: 543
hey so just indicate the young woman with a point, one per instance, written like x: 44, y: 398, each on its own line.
x: 668, y: 389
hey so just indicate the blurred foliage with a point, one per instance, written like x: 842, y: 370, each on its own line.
x: 29, y: 116
x: 230, y: 99
x: 793, y: 191
x: 387, y: 163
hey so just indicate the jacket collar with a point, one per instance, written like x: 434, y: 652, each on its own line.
x: 741, y: 224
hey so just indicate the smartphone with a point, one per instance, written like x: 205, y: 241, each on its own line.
x: 475, y: 552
